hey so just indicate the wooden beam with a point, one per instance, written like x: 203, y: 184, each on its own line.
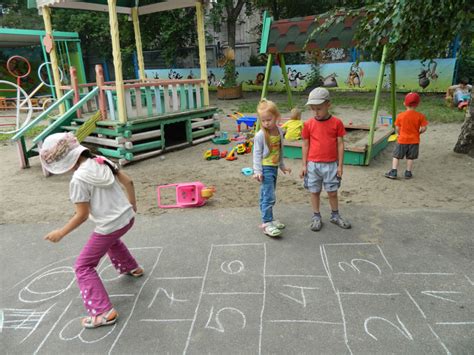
x: 114, y: 34
x: 90, y: 7
x: 46, y: 11
x: 138, y: 43
x: 202, y: 51
x: 165, y: 6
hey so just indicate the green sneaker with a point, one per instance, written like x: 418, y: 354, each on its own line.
x: 278, y: 224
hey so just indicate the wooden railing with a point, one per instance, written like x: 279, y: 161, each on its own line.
x: 149, y: 98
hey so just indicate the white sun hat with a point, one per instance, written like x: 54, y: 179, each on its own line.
x: 60, y: 152
x: 318, y: 96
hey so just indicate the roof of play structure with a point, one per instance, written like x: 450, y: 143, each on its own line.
x: 123, y: 6
x: 12, y: 37
x: 290, y: 35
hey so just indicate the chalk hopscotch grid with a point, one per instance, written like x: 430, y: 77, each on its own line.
x: 32, y: 316
x: 430, y: 293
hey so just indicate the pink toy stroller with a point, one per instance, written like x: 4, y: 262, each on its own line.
x: 188, y: 194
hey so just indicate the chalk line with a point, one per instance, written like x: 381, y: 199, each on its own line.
x: 233, y: 293
x: 52, y: 328
x: 302, y: 321
x: 337, y: 244
x: 324, y: 259
x: 425, y: 273
x: 455, y: 323
x: 416, y: 304
x: 435, y: 294
x: 383, y: 256
x: 37, y: 322
x: 235, y: 245
x: 264, y: 298
x: 199, y: 301
x: 324, y: 276
x: 439, y: 340
x: 369, y: 293
x: 136, y: 300
x: 468, y: 279
x: 166, y: 320
x: 178, y: 278
x: 38, y: 271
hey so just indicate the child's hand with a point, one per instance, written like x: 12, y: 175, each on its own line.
x: 54, y: 236
x: 303, y: 172
x: 134, y: 206
x: 258, y: 177
x: 339, y: 171
x: 286, y: 170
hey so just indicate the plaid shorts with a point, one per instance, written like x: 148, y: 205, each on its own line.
x: 321, y: 174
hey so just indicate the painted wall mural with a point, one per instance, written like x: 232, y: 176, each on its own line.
x: 412, y: 75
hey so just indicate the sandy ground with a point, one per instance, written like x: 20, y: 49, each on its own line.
x: 442, y: 178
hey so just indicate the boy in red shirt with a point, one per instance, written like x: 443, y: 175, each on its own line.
x: 409, y: 125
x: 323, y: 155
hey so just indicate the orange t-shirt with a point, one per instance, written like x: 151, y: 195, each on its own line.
x: 409, y: 123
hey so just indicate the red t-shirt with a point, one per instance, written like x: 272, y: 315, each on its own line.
x: 322, y: 136
x: 409, y: 123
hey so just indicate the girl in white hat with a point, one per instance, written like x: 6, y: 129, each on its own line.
x: 96, y: 193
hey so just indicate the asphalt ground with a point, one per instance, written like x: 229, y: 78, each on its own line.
x: 399, y: 281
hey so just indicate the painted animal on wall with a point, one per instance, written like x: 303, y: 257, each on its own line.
x: 355, y: 76
x: 427, y: 73
x: 330, y: 81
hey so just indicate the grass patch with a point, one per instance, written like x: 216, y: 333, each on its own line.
x: 433, y: 106
x: 33, y: 132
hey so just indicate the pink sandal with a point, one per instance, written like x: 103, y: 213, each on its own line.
x: 138, y: 272
x: 107, y: 318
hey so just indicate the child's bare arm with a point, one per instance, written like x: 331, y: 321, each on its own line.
x: 127, y: 183
x: 81, y: 215
x: 340, y: 155
x: 423, y: 129
x: 304, y: 157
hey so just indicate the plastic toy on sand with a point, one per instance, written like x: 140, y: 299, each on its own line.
x: 188, y: 194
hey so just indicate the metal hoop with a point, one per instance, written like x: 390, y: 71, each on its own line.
x: 39, y: 74
x: 18, y: 57
x: 30, y: 108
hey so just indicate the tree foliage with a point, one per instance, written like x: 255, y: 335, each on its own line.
x: 17, y: 15
x: 169, y: 31
x: 410, y: 28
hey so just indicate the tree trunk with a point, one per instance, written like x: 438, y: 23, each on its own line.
x: 465, y: 143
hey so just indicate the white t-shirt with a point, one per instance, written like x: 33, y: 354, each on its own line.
x: 95, y: 183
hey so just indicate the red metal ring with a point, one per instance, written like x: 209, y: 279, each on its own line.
x: 18, y: 57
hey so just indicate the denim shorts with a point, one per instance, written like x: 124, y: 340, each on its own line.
x: 321, y: 174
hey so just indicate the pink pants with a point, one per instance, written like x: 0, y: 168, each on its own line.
x: 94, y: 295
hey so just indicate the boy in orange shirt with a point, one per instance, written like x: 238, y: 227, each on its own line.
x: 409, y: 125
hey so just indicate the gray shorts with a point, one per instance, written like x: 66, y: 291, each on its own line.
x: 321, y: 174
x: 410, y: 151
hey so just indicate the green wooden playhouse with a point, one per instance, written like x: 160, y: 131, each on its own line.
x: 138, y: 118
x: 295, y: 35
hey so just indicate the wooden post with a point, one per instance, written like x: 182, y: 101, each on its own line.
x: 114, y: 34
x: 75, y: 87
x: 46, y: 11
x: 266, y: 80
x: 285, y: 78
x: 393, y: 89
x: 202, y: 50
x: 376, y: 106
x: 138, y: 42
x: 99, y: 79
